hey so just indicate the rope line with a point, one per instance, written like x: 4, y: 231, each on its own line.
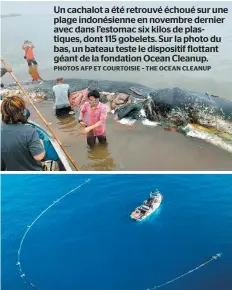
x: 22, y: 274
x: 217, y: 256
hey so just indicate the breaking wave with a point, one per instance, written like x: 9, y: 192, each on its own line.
x: 218, y: 134
x: 222, y: 140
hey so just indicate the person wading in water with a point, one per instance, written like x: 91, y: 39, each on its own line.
x: 61, y: 92
x: 93, y: 117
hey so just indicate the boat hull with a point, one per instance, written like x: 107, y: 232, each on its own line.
x: 148, y: 213
x: 53, y: 150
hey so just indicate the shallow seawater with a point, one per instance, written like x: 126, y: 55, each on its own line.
x: 136, y: 146
x: 139, y: 145
x: 88, y: 241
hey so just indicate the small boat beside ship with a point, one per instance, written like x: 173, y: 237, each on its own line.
x: 148, y: 207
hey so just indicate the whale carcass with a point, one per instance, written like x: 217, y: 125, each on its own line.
x: 177, y: 105
x: 138, y: 101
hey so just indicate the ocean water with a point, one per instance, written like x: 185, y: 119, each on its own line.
x: 88, y: 241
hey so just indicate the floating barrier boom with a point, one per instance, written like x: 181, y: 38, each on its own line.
x: 217, y: 256
x: 22, y: 274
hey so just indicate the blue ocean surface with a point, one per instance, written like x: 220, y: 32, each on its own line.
x: 87, y: 240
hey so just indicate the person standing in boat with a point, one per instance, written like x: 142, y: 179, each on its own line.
x: 61, y: 92
x: 21, y: 147
x: 93, y: 117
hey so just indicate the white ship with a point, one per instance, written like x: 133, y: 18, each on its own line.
x: 148, y: 207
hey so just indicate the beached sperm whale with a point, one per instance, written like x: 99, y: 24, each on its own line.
x: 198, y: 115
x: 177, y: 105
x: 168, y: 104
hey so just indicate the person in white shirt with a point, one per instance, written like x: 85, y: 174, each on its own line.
x: 61, y: 93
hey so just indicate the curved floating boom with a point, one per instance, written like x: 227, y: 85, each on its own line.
x: 217, y: 256
x: 18, y: 264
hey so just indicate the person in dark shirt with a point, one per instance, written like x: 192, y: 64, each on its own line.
x: 21, y: 147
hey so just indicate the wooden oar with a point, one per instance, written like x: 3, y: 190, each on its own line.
x: 43, y: 119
